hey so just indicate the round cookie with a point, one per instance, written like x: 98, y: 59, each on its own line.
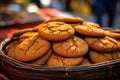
x: 85, y: 61
x: 95, y: 31
x: 55, y: 31
x: 89, y: 31
x: 19, y: 32
x: 31, y: 48
x: 89, y: 24
x: 42, y: 59
x: 98, y: 57
x: 72, y: 47
x: 67, y: 19
x: 56, y: 60
x: 105, y: 44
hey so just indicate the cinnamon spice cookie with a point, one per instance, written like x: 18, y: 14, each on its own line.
x: 31, y: 48
x: 95, y: 31
x: 85, y: 61
x: 72, y: 47
x: 89, y: 24
x: 56, y: 60
x: 97, y: 57
x: 19, y: 32
x: 42, y: 59
x: 67, y: 19
x: 89, y: 31
x: 105, y: 44
x: 55, y: 31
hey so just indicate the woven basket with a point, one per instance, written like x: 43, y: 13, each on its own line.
x: 16, y: 70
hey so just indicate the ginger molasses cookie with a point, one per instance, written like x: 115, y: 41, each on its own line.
x: 72, y: 47
x: 85, y: 61
x: 56, y: 60
x: 19, y: 32
x: 31, y: 48
x: 95, y: 31
x: 89, y: 30
x: 105, y: 44
x: 55, y: 31
x: 89, y: 24
x: 97, y: 57
x: 43, y: 59
x: 67, y: 19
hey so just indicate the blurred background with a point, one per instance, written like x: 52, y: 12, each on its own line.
x: 19, y: 14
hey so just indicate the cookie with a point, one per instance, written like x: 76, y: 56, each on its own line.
x: 85, y: 61
x: 91, y: 24
x: 89, y: 31
x: 98, y: 57
x: 19, y: 32
x: 67, y: 19
x: 31, y: 48
x: 55, y: 31
x: 105, y: 44
x: 42, y: 59
x: 72, y: 47
x: 56, y: 60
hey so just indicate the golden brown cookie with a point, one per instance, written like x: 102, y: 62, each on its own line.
x: 105, y: 44
x: 89, y: 31
x: 42, y: 59
x: 31, y: 48
x: 72, y: 47
x: 56, y: 60
x: 97, y: 57
x: 19, y: 32
x: 55, y: 31
x: 67, y: 19
x: 85, y: 61
x: 89, y: 24
x: 95, y: 31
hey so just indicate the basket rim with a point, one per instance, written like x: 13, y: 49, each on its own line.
x: 22, y: 65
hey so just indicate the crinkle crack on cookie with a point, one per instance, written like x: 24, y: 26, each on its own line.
x: 55, y: 31
x: 72, y: 47
x: 106, y: 44
x: 31, y: 48
x: 56, y: 60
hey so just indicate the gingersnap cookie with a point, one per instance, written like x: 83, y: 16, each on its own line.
x: 31, y: 48
x: 98, y: 57
x: 89, y: 31
x: 67, y: 19
x: 89, y: 24
x: 56, y: 60
x: 19, y: 32
x: 85, y: 61
x: 72, y: 47
x: 42, y: 59
x: 55, y: 31
x: 105, y: 44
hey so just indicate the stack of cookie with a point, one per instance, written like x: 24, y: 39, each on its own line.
x: 65, y: 42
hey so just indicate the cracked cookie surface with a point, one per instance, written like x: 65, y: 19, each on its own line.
x: 72, y: 47
x: 55, y: 31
